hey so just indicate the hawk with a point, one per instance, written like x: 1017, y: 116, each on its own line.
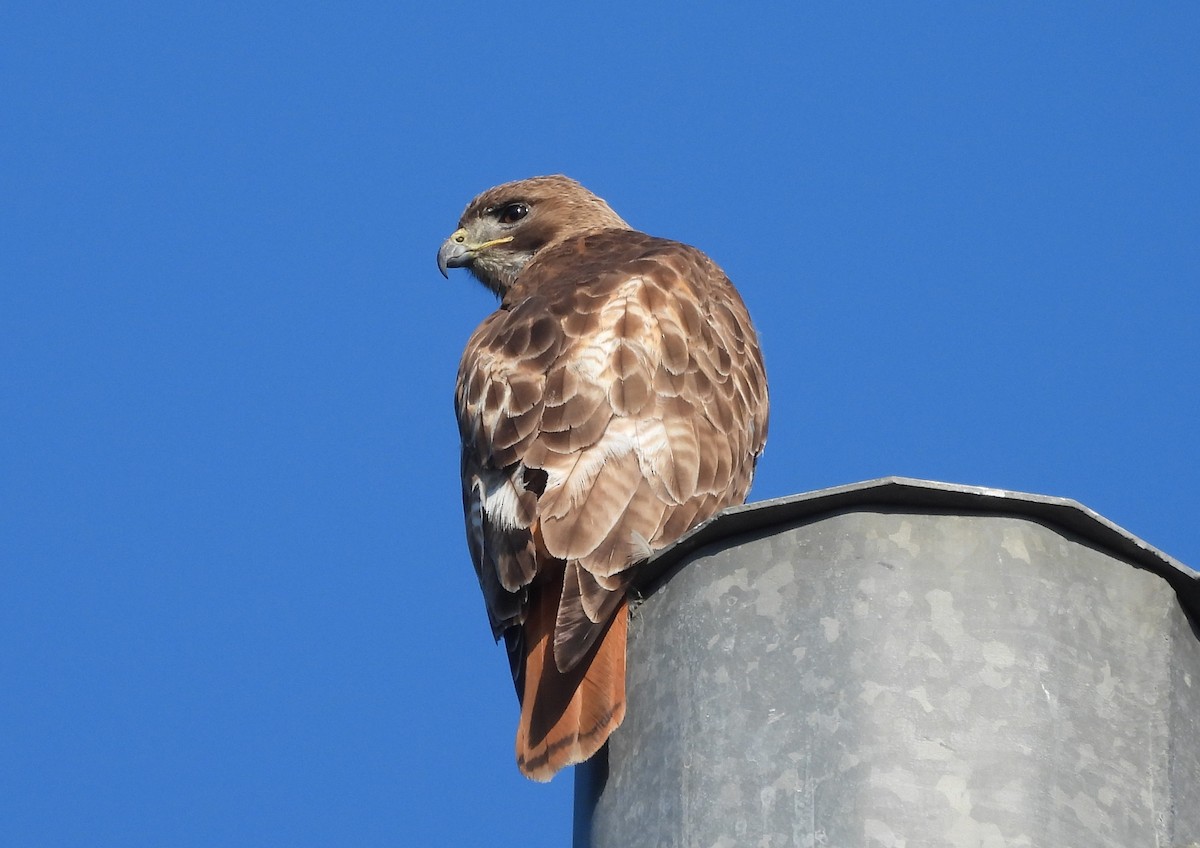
x: 615, y: 400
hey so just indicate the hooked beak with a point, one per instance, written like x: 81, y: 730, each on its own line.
x: 454, y: 252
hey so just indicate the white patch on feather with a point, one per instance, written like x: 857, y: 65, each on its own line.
x: 641, y: 547
x: 578, y: 475
x: 501, y: 499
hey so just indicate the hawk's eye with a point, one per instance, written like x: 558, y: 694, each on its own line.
x: 512, y: 213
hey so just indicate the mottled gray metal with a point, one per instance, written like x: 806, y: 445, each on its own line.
x: 901, y: 663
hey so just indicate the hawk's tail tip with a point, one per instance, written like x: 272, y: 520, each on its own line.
x: 567, y: 718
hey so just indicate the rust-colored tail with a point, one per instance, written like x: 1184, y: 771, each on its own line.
x: 566, y: 717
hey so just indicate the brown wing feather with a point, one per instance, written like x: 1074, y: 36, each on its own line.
x: 624, y: 372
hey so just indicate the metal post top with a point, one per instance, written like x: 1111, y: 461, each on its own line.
x: 905, y: 493
x: 902, y: 661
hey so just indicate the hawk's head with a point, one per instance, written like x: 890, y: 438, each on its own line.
x: 506, y: 226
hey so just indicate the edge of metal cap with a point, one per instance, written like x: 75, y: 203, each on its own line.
x: 911, y: 493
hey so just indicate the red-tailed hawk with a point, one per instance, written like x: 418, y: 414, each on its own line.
x: 616, y: 399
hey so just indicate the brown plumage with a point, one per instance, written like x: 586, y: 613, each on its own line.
x: 616, y: 399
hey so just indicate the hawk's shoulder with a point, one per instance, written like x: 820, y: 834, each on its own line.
x: 601, y: 261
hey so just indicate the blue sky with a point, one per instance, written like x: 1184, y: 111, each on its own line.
x: 236, y: 607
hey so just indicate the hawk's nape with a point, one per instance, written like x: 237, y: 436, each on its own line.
x: 615, y: 400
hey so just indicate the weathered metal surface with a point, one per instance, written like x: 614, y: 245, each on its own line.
x: 888, y: 675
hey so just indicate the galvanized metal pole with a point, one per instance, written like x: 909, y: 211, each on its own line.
x: 906, y: 663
